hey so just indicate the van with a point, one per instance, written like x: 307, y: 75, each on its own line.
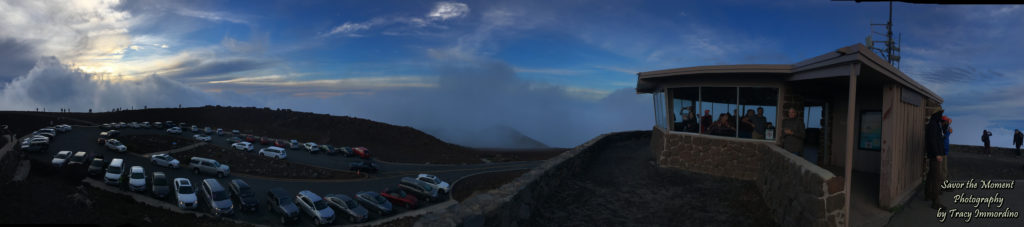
x: 217, y: 197
x: 209, y: 166
x: 419, y: 188
x: 114, y: 172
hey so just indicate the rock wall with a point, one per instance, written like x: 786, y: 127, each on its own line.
x: 798, y: 192
x: 719, y: 156
x: 510, y: 205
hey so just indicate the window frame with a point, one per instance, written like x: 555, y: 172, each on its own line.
x: 669, y: 106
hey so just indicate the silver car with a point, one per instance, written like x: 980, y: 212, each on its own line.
x: 209, y: 166
x: 217, y: 197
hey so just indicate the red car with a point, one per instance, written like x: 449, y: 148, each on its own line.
x: 265, y: 140
x: 281, y: 143
x: 362, y: 152
x: 251, y: 138
x: 399, y: 197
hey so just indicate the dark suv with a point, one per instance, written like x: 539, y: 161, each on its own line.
x: 280, y: 202
x: 243, y: 193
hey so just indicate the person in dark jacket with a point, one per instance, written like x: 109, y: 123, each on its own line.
x: 933, y: 147
x: 947, y: 129
x: 705, y: 121
x: 985, y: 134
x: 1018, y: 139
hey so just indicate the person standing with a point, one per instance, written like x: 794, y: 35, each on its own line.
x: 705, y: 121
x: 759, y: 124
x: 985, y: 134
x: 793, y: 133
x: 747, y: 125
x: 947, y: 129
x: 933, y: 146
x: 1018, y: 139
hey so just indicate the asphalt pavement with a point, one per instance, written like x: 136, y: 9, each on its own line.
x: 82, y: 138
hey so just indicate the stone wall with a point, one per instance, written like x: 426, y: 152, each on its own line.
x: 719, y: 156
x: 510, y: 205
x: 798, y: 192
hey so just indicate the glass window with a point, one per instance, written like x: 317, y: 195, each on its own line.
x: 659, y: 110
x: 720, y: 110
x: 758, y: 108
x: 684, y: 109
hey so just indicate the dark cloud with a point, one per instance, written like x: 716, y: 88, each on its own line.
x: 18, y: 58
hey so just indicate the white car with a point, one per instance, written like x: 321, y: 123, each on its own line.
x: 61, y: 158
x: 165, y: 160
x: 311, y: 147
x: 201, y: 137
x: 115, y: 145
x: 242, y: 146
x: 442, y: 187
x: 274, y: 152
x: 114, y: 172
x: 195, y: 128
x: 207, y: 130
x: 63, y: 128
x: 235, y: 131
x: 185, y: 193
x: 220, y: 131
x: 137, y: 179
x: 174, y: 130
x: 133, y: 124
x: 315, y: 207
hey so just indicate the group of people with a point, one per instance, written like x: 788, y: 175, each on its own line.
x: 1018, y: 140
x: 751, y: 125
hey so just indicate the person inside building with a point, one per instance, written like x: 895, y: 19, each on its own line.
x: 1018, y: 139
x: 747, y: 124
x: 793, y: 132
x: 705, y: 121
x: 689, y: 123
x: 760, y: 124
x: 933, y: 146
x: 722, y: 126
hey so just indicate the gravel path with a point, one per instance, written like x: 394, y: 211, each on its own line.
x: 623, y: 187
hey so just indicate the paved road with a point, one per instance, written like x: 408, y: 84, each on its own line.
x: 83, y: 138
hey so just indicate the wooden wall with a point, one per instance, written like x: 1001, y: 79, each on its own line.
x: 902, y: 147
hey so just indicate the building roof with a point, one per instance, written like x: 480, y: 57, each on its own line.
x: 831, y: 64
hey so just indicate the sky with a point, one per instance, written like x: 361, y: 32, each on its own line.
x: 560, y: 72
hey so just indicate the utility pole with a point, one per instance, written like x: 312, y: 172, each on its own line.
x: 891, y: 47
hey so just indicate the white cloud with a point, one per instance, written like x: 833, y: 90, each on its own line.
x: 84, y: 32
x: 212, y: 16
x: 448, y: 10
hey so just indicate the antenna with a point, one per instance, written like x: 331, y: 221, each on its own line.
x: 891, y: 48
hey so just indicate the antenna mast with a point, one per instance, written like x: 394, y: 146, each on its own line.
x: 891, y: 47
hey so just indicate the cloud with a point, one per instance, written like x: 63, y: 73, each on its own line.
x: 448, y: 10
x: 205, y: 69
x: 52, y: 85
x: 212, y: 16
x: 19, y: 57
x: 84, y: 32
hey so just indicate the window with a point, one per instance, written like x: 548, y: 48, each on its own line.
x: 743, y: 112
x: 659, y: 110
x: 684, y: 109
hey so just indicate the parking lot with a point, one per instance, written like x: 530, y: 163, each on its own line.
x: 83, y: 138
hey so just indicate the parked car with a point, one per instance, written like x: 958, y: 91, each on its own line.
x: 234, y: 131
x: 274, y: 152
x: 121, y: 125
x: 113, y: 133
x: 165, y: 160
x: 399, y: 197
x: 361, y: 152
x: 217, y: 197
x: 133, y: 124
x: 209, y: 166
x: 195, y: 128
x: 314, y: 206
x: 234, y: 139
x: 346, y: 205
x: 60, y: 158
x: 185, y: 194
x: 265, y: 140
x: 419, y: 189
x: 278, y: 201
x: 45, y: 133
x: 115, y: 145
x: 35, y: 143
x: 347, y: 151
x: 280, y: 143
x: 202, y: 137
x: 158, y: 124
x: 363, y: 166
x: 327, y: 149
x: 374, y: 201
x: 144, y: 124
x: 242, y: 146
x: 207, y: 130
x: 311, y: 147
x: 174, y: 130
x: 137, y: 179
x: 106, y: 126
x: 114, y: 172
x: 294, y: 145
x: 220, y: 131
x: 96, y: 166
x: 159, y: 185
x: 251, y: 138
x: 78, y: 159
x: 442, y: 186
x: 243, y: 193
x: 63, y: 128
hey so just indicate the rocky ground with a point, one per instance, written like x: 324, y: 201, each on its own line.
x: 49, y: 196
x: 622, y: 186
x: 483, y: 182
x: 251, y: 164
